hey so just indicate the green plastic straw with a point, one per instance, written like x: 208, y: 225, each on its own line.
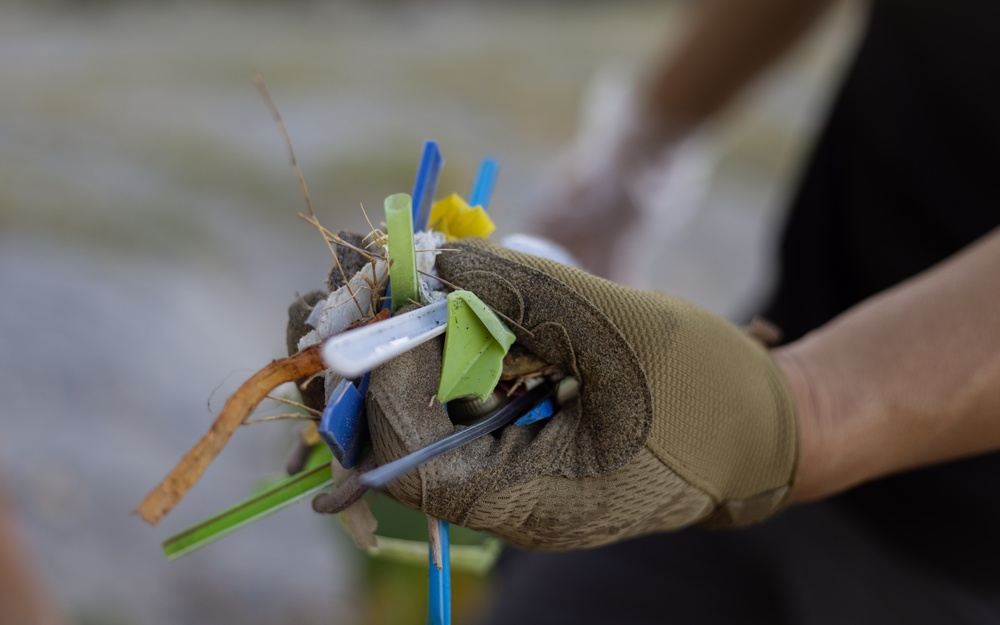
x: 402, y: 256
x: 276, y: 498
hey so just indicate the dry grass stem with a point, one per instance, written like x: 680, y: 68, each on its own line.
x: 211, y: 396
x: 455, y: 287
x: 327, y: 235
x: 262, y: 88
x: 295, y: 404
x: 376, y: 235
x: 298, y: 416
x: 264, y: 93
x: 309, y: 380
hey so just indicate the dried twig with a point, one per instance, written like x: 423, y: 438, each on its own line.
x: 378, y: 237
x: 264, y: 93
x: 211, y: 396
x: 239, y: 406
x: 310, y: 379
x: 295, y: 404
x: 262, y: 88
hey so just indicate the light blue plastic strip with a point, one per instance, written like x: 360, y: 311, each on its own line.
x: 439, y: 606
x: 425, y: 185
x: 485, y: 181
x: 439, y: 600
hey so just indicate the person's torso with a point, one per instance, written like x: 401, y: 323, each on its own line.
x: 906, y: 174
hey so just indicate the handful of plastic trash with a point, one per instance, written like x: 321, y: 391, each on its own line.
x: 384, y: 299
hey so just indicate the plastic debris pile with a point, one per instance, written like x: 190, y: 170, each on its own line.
x: 350, y: 332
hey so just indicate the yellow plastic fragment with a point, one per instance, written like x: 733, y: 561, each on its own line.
x: 310, y: 435
x: 454, y: 218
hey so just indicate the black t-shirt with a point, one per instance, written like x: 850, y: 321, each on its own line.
x: 903, y: 177
x: 907, y: 172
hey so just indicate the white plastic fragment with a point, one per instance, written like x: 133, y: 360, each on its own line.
x: 427, y: 246
x: 348, y: 304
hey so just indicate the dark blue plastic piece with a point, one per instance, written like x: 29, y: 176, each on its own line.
x: 439, y: 601
x: 344, y: 427
x: 425, y: 185
x: 543, y: 410
x: 485, y: 181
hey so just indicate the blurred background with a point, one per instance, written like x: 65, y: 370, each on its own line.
x: 149, y: 248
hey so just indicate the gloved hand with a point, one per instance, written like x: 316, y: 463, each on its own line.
x: 681, y: 417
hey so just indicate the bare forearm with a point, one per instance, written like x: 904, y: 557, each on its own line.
x: 727, y: 45
x: 907, y: 378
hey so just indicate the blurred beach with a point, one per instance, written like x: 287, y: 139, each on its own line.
x: 149, y: 245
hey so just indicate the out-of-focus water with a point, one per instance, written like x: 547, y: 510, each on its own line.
x: 149, y: 246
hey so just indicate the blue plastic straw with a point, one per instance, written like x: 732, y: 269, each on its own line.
x: 485, y: 182
x: 439, y: 607
x: 439, y: 585
x: 431, y: 163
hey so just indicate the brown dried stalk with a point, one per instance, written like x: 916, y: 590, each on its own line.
x: 239, y: 406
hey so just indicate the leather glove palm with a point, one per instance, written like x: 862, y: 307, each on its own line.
x: 681, y: 417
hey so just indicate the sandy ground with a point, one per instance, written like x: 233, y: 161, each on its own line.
x: 149, y: 246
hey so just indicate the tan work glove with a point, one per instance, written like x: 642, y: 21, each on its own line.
x: 681, y: 417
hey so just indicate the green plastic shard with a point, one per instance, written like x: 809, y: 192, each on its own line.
x: 402, y: 257
x: 474, y: 346
x: 315, y: 478
x: 476, y: 559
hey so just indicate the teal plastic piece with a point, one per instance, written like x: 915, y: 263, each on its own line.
x: 402, y: 256
x: 474, y: 346
x: 485, y: 181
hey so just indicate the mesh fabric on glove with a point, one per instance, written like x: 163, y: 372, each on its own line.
x: 681, y: 417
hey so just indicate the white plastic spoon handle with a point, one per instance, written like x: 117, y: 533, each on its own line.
x: 358, y: 351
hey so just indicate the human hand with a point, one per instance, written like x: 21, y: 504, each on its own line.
x: 592, y: 216
x: 621, y: 190
x: 681, y: 417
